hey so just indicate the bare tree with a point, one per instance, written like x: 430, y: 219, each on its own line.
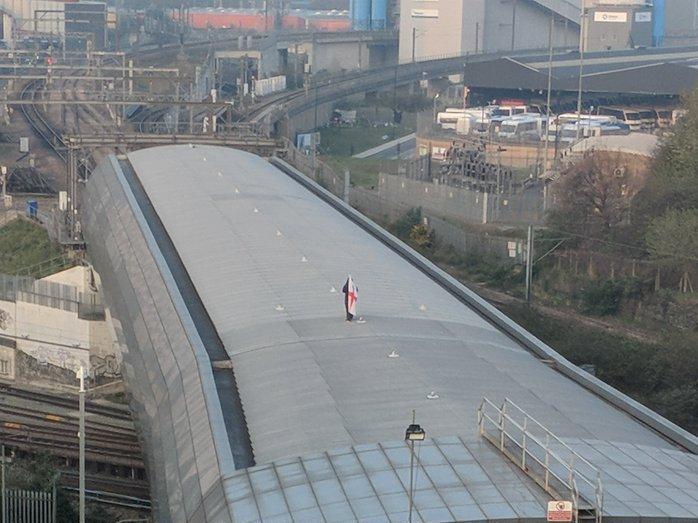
x: 593, y: 197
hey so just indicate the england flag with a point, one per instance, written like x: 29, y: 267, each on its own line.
x: 351, y: 296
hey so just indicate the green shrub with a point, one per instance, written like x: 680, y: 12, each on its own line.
x: 602, y: 298
x: 403, y: 226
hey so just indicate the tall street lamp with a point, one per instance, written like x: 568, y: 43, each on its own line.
x: 413, y: 433
x: 435, y: 98
x: 81, y: 375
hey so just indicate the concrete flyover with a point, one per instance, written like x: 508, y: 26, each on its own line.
x: 642, y: 71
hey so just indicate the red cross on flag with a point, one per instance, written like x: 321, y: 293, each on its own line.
x: 351, y: 296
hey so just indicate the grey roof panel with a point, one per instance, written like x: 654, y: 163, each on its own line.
x: 265, y: 256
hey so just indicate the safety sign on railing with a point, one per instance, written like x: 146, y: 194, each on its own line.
x: 560, y: 511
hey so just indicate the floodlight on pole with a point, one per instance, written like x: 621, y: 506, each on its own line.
x: 413, y: 433
x: 81, y: 375
x: 435, y: 98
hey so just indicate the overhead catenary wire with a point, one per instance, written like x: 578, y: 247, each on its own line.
x: 619, y: 244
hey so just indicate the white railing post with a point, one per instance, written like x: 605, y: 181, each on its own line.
x: 547, y: 462
x: 502, y: 414
x: 523, y: 443
x: 599, y: 497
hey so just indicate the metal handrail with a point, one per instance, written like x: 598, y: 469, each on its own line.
x: 570, y: 468
x: 549, y: 453
x: 507, y: 401
x: 572, y: 474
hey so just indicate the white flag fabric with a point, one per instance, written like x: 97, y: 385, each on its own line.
x: 351, y: 292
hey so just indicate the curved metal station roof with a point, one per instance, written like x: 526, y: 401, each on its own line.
x: 323, y: 403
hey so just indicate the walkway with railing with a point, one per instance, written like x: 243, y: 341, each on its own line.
x: 551, y: 463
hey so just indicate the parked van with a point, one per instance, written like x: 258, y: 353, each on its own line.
x: 448, y: 120
x: 466, y: 124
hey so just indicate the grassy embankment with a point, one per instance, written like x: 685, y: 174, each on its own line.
x: 24, y: 244
x: 339, y: 144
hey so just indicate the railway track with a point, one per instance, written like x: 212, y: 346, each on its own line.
x: 38, y: 122
x: 66, y: 402
x: 109, y: 486
x: 35, y: 422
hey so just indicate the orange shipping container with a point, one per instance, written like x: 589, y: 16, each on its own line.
x: 227, y: 20
x: 334, y: 25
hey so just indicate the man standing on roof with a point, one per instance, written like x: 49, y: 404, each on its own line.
x: 351, y: 296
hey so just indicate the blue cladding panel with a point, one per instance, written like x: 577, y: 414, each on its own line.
x: 361, y: 15
x: 379, y: 14
x: 659, y: 21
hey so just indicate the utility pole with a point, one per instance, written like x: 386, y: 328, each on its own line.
x: 513, y: 24
x: 582, y: 31
x: 529, y: 263
x: 414, y: 44
x: 81, y: 436
x: 2, y: 483
x: 550, y: 86
x: 413, y: 433
x: 3, y: 194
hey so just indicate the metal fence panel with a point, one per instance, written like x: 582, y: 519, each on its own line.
x: 50, y: 294
x: 29, y: 506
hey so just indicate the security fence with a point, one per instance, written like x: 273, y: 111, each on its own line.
x: 463, y: 204
x: 28, y: 506
x: 88, y: 305
x: 653, y: 276
x: 312, y: 166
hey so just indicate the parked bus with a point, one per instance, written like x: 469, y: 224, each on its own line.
x: 568, y: 133
x: 664, y: 118
x: 586, y: 118
x: 648, y: 118
x: 630, y: 116
x: 523, y: 127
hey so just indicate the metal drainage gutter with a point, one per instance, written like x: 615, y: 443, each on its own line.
x: 638, y: 411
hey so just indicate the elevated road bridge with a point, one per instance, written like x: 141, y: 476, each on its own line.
x: 643, y: 71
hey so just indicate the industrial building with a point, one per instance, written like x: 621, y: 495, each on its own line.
x: 456, y: 27
x: 614, y: 24
x: 55, y: 21
x: 257, y: 401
